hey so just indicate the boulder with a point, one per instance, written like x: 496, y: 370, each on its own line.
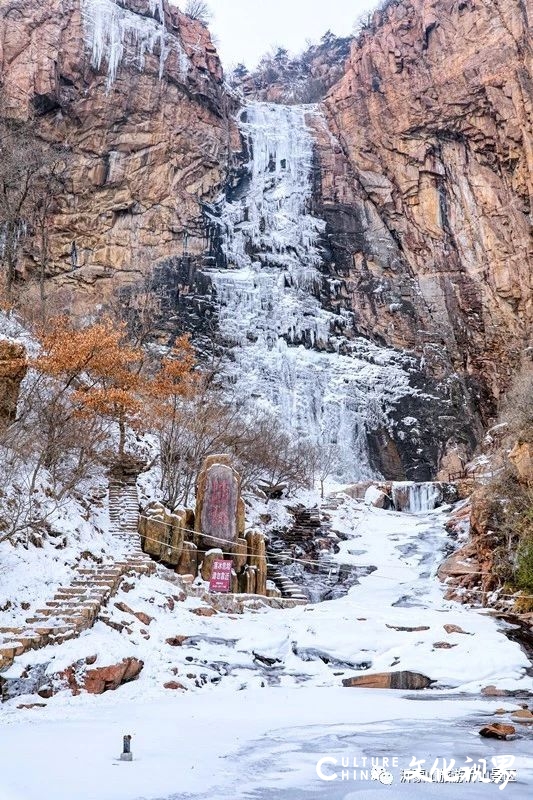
x: 357, y: 491
x: 206, y: 568
x: 188, y: 563
x: 390, y: 680
x: 95, y: 680
x: 155, y: 534
x: 377, y: 498
x: 141, y: 616
x: 174, y: 685
x: 272, y: 590
x: 497, y: 730
x: 495, y: 691
x: 523, y: 715
x: 103, y: 679
x: 459, y: 564
x: 171, y: 552
x: 177, y: 641
x: 204, y: 611
x: 456, y: 629
x: 217, y: 503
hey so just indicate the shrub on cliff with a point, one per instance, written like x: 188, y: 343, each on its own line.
x: 517, y: 409
x: 524, y: 559
x: 31, y: 179
x: 198, y: 9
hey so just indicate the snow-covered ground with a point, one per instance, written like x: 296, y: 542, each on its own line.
x: 249, y: 729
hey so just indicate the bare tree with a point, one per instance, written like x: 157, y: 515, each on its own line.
x: 45, y: 456
x: 198, y: 9
x: 323, y: 457
x: 29, y: 182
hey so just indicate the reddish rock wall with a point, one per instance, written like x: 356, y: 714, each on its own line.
x: 146, y: 147
x: 433, y: 123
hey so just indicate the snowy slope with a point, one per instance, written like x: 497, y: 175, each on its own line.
x: 276, y: 720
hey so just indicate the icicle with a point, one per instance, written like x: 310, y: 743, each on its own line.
x: 416, y: 498
x: 113, y: 34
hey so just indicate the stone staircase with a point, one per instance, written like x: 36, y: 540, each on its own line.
x: 288, y: 588
x: 306, y: 526
x: 298, y: 558
x: 124, y: 509
x: 307, y: 522
x: 76, y: 607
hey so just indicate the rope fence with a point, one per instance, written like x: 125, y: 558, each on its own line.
x: 323, y: 563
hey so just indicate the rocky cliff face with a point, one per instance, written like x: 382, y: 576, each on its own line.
x: 134, y: 89
x: 392, y: 230
x: 427, y: 183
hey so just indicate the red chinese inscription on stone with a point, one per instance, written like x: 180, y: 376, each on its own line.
x: 221, y: 576
x: 219, y: 509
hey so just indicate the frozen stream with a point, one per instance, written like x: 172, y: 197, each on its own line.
x: 255, y: 729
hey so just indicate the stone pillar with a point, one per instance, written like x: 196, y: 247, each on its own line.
x: 240, y: 555
x: 247, y: 582
x: 188, y: 563
x: 162, y: 533
x: 257, y: 559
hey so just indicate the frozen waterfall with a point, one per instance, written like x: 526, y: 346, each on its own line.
x: 115, y: 34
x: 289, y: 353
x: 416, y: 498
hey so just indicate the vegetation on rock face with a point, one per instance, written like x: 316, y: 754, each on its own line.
x: 89, y: 385
x: 302, y: 79
x: 512, y: 493
x: 518, y: 407
x: 31, y: 176
x: 198, y: 9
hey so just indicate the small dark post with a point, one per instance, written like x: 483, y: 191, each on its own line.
x: 127, y: 755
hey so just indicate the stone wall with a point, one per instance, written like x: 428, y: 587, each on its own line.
x: 191, y: 541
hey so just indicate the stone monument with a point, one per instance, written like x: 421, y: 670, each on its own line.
x: 218, y: 504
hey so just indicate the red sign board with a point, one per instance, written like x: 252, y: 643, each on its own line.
x: 221, y: 576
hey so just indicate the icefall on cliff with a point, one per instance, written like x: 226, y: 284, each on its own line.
x: 289, y: 353
x: 114, y: 34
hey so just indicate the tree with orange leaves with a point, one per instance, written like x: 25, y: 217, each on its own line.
x: 97, y: 367
x: 177, y: 377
